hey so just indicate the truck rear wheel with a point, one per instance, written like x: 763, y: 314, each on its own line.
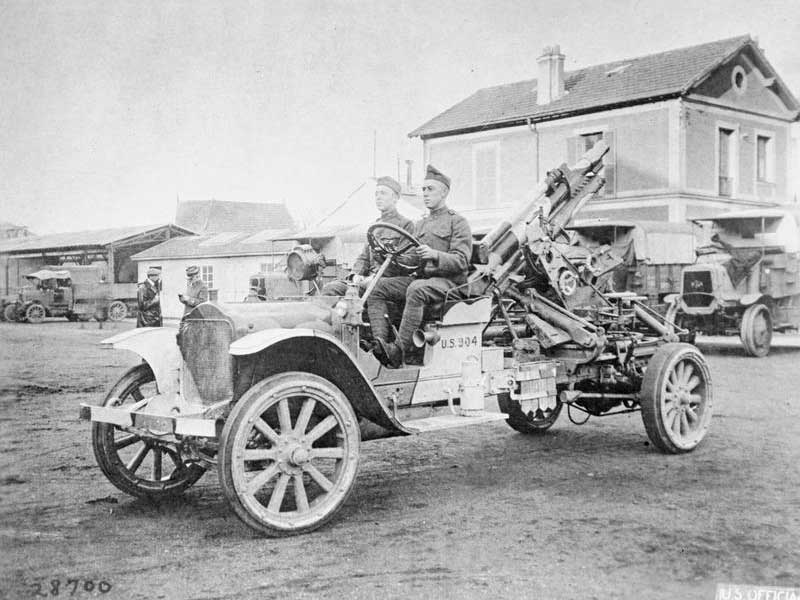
x: 35, y: 313
x: 141, y: 467
x: 756, y: 330
x: 288, y: 454
x: 117, y: 310
x: 676, y: 398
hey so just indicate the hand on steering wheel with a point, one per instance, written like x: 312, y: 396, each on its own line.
x: 386, y: 247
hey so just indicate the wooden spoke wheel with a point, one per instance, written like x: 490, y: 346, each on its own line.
x: 10, y: 312
x: 142, y: 467
x: 117, y: 310
x: 756, y: 330
x: 289, y: 454
x: 676, y: 398
x: 35, y: 313
x: 532, y: 422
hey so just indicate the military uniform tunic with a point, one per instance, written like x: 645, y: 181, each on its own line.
x: 196, y: 293
x: 449, y: 234
x: 367, y: 262
x: 149, y: 305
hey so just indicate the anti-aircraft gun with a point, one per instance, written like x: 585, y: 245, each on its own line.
x: 278, y: 396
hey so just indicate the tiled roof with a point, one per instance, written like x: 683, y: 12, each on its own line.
x: 209, y: 216
x: 77, y: 239
x: 220, y: 244
x: 662, y: 75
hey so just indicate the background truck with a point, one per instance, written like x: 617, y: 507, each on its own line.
x: 77, y: 293
x: 746, y: 281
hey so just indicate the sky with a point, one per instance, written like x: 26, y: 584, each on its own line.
x: 112, y: 111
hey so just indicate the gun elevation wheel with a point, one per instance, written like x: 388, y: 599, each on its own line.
x: 756, y: 330
x: 676, y: 398
x: 141, y: 467
x: 289, y: 454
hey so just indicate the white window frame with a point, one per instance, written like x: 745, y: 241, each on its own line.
x: 493, y: 145
x: 770, y: 157
x: 733, y: 158
x: 207, y: 275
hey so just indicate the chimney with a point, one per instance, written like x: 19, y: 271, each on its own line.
x: 550, y: 85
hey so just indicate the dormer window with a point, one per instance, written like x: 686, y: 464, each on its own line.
x: 739, y: 79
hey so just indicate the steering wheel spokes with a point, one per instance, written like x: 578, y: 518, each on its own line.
x: 391, y: 246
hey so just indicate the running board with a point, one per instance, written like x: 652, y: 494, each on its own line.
x: 450, y: 421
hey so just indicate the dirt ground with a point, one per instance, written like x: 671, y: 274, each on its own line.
x: 588, y: 511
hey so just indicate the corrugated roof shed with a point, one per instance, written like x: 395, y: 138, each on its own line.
x: 210, y: 216
x: 220, y: 244
x: 623, y: 82
x: 79, y: 239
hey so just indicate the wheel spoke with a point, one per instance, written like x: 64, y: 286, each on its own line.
x: 262, y: 478
x: 325, y: 483
x: 676, y: 423
x: 284, y: 418
x: 300, y: 497
x: 684, y: 429
x: 695, y: 399
x: 278, y: 493
x: 157, y: 464
x: 266, y: 430
x: 126, y: 441
x: 679, y: 370
x: 693, y: 382
x: 691, y: 415
x: 688, y: 371
x: 305, y: 415
x: 261, y: 454
x: 327, y: 453
x: 321, y: 429
x: 136, y: 461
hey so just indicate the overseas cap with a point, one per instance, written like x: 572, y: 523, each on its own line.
x: 432, y: 172
x: 154, y: 270
x: 392, y: 184
x: 192, y: 271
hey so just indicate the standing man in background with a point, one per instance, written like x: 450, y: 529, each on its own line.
x: 196, y: 290
x: 387, y: 193
x: 148, y: 299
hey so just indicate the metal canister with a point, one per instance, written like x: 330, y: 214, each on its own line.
x: 472, y: 397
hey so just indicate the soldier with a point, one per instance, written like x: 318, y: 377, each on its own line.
x: 444, y: 258
x: 387, y: 193
x: 196, y: 290
x: 148, y: 297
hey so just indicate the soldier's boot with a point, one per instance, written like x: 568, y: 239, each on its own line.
x: 388, y: 353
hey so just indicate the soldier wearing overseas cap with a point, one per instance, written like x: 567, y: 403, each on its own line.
x: 444, y: 259
x: 148, y: 299
x: 196, y: 290
x: 387, y: 193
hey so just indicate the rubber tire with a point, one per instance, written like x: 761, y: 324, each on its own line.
x: 237, y: 420
x: 35, y: 313
x: 748, y: 334
x: 10, y: 313
x: 117, y: 310
x: 519, y: 421
x: 654, y: 387
x: 108, y: 459
x: 71, y: 317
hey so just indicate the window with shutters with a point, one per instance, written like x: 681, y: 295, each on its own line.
x: 725, y: 161
x: 765, y: 159
x: 486, y: 174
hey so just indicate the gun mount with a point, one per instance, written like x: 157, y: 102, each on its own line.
x: 277, y: 396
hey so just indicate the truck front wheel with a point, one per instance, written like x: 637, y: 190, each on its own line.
x: 35, y: 313
x: 676, y: 398
x: 756, y: 330
x: 289, y: 453
x: 117, y: 310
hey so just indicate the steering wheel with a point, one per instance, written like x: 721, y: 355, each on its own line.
x: 387, y: 248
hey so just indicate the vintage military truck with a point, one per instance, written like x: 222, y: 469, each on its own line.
x: 746, y: 281
x: 278, y: 396
x: 77, y: 293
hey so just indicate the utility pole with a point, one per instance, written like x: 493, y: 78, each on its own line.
x: 374, y: 152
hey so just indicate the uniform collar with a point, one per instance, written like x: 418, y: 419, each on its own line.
x: 389, y: 212
x: 439, y: 211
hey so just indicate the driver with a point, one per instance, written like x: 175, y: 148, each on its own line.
x: 444, y: 252
x: 387, y: 193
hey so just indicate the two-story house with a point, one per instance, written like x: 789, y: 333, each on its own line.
x: 693, y: 132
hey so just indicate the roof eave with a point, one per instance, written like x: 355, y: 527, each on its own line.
x: 552, y: 116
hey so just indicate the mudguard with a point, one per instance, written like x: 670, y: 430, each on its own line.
x: 339, y: 365
x: 749, y: 299
x: 158, y: 348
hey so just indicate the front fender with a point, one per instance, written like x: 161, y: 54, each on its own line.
x: 267, y: 352
x: 749, y: 299
x: 158, y: 348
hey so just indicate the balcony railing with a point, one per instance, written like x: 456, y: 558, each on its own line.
x: 725, y: 186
